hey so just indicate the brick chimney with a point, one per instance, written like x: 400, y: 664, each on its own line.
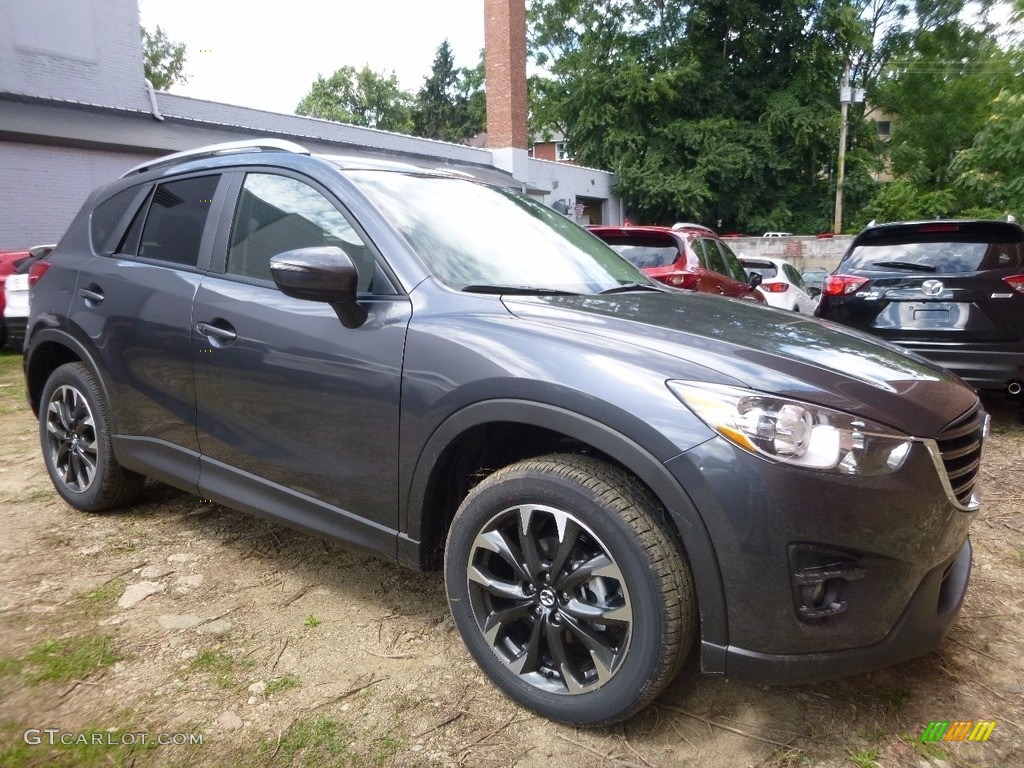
x: 505, y: 62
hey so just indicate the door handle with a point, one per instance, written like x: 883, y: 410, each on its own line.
x: 92, y: 295
x: 215, y: 333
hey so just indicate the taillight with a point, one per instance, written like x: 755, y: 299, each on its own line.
x: 36, y: 271
x: 842, y: 285
x: 774, y: 287
x: 681, y: 280
x: 1016, y: 282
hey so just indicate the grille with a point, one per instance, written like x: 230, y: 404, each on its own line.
x: 960, y: 446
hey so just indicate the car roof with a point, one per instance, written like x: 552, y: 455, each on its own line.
x: 935, y: 227
x: 650, y: 230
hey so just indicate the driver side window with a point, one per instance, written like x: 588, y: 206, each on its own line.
x: 277, y: 214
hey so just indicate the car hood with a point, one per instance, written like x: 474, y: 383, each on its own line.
x: 768, y: 350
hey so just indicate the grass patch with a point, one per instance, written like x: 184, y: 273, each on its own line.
x: 219, y: 665
x: 312, y: 621
x: 282, y: 684
x: 310, y: 743
x: 10, y: 668
x: 384, y: 749
x: 102, y: 598
x: 39, y: 493
x: 894, y: 699
x: 924, y: 749
x: 865, y: 758
x: 73, y: 658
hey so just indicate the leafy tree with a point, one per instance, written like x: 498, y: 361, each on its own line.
x: 991, y: 171
x: 362, y: 97
x: 163, y: 60
x: 443, y: 105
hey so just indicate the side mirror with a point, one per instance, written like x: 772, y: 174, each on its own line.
x: 324, y: 274
x: 755, y: 280
x: 814, y: 292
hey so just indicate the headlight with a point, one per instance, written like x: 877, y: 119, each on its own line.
x: 793, y: 432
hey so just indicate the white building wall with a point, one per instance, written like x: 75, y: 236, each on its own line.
x: 43, y: 188
x: 81, y: 51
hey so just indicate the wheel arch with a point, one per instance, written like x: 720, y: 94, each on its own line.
x: 50, y: 349
x: 450, y: 464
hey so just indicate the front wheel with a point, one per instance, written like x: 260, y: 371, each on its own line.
x: 74, y: 431
x: 567, y: 589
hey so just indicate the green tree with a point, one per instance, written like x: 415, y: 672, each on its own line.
x: 163, y: 60
x: 991, y: 171
x: 362, y: 97
x: 443, y: 105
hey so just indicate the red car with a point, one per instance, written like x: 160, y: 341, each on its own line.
x: 8, y: 262
x: 685, y: 256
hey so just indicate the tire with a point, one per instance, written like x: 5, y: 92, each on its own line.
x: 567, y: 590
x: 74, y: 432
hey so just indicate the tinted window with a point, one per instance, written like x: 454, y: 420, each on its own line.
x: 277, y: 214
x: 712, y: 256
x: 765, y: 269
x: 941, y: 253
x: 732, y: 264
x: 645, y: 252
x: 177, y: 217
x: 105, y: 217
x: 794, y: 277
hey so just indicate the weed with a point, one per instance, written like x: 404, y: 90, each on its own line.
x: 311, y: 743
x: 219, y: 664
x: 101, y: 598
x: 894, y: 699
x: 10, y: 667
x: 865, y: 758
x: 923, y: 748
x: 385, y: 748
x: 312, y: 621
x: 282, y: 684
x: 73, y: 658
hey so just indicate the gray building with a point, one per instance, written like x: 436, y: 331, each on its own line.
x: 76, y: 112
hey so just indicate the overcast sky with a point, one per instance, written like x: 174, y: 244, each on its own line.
x: 268, y: 56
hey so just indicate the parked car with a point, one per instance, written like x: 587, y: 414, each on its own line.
x: 781, y: 284
x: 814, y: 279
x: 16, y: 295
x: 777, y: 234
x: 607, y: 468
x: 686, y: 256
x: 951, y: 291
x: 8, y: 263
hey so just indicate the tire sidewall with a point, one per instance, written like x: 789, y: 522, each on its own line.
x: 615, y: 699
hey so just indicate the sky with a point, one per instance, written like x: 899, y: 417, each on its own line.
x: 239, y: 53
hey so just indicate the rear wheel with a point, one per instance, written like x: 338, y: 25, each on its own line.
x: 74, y: 430
x: 567, y: 590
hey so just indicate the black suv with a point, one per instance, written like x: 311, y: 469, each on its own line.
x: 952, y: 291
x: 446, y: 372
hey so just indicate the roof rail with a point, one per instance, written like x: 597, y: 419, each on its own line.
x: 689, y: 225
x: 213, y: 150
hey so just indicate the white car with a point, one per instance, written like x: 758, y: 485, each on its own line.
x: 781, y: 284
x: 16, y: 297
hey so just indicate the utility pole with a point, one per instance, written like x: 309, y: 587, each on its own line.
x: 846, y: 96
x: 844, y: 101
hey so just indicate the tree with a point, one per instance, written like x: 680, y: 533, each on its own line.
x: 361, y: 97
x: 991, y: 171
x: 162, y: 59
x: 443, y: 105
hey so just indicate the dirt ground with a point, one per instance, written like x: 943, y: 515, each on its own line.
x: 181, y: 617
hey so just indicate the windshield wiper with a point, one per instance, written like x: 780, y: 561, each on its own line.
x: 905, y: 265
x: 627, y: 287
x: 516, y: 290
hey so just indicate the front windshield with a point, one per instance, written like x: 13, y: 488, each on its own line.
x: 471, y: 235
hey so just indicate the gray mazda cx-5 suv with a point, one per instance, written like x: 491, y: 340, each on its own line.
x: 448, y: 373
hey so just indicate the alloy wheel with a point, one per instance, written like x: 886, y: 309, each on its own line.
x: 549, y: 599
x: 71, y: 438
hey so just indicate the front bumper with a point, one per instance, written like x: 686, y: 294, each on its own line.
x: 893, y: 551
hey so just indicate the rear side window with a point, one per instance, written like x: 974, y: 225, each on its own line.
x: 646, y: 252
x: 177, y: 217
x: 712, y: 256
x: 733, y: 268
x: 105, y: 217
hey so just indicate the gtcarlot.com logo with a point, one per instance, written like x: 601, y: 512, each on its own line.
x: 55, y: 736
x: 958, y: 730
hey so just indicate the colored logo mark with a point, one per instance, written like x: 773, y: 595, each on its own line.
x: 958, y: 730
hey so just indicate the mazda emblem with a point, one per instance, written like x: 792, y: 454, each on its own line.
x: 931, y: 287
